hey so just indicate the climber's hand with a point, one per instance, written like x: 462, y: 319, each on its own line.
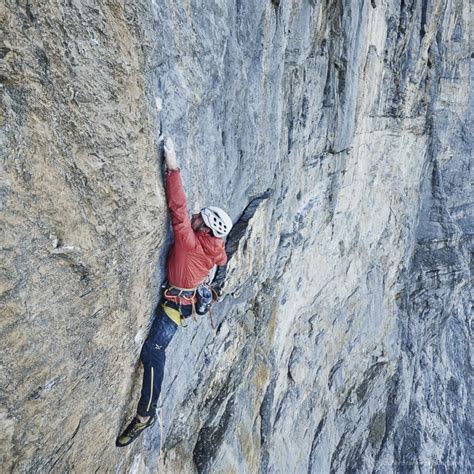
x: 170, y: 155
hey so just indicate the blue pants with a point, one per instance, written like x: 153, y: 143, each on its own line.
x: 153, y: 358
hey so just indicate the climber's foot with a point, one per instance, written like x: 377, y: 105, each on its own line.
x: 133, y: 430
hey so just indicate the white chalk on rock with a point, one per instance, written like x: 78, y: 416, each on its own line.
x: 159, y: 104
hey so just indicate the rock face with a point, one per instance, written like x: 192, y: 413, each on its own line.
x: 343, y: 129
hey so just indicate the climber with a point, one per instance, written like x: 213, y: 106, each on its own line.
x: 198, y: 246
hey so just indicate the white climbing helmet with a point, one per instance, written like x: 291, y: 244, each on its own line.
x: 217, y: 220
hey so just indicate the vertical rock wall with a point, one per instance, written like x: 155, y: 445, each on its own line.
x: 342, y: 343
x: 83, y: 220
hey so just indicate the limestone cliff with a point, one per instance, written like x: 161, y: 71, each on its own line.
x: 344, y: 131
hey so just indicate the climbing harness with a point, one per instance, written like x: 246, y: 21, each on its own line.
x: 174, y: 294
x: 199, y: 298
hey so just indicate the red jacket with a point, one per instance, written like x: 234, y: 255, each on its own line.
x: 192, y: 254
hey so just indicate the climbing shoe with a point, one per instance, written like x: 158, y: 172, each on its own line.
x: 133, y: 430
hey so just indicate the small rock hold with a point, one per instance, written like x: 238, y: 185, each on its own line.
x: 4, y: 51
x: 159, y: 104
x: 55, y: 241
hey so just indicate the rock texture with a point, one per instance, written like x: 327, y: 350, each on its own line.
x: 343, y: 130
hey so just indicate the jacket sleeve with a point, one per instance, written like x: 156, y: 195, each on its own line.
x: 176, y: 198
x: 222, y: 260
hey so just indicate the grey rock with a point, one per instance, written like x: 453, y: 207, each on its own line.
x: 339, y: 137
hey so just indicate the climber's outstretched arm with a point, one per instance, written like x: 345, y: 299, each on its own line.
x: 176, y: 198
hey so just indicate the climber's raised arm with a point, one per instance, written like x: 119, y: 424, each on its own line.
x: 176, y: 198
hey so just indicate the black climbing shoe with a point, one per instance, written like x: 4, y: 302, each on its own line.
x: 133, y: 430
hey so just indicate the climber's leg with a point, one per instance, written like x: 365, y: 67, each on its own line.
x: 153, y: 358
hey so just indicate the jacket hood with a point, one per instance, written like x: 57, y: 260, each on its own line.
x: 212, y: 246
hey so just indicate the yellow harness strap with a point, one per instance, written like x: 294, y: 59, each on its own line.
x: 173, y: 314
